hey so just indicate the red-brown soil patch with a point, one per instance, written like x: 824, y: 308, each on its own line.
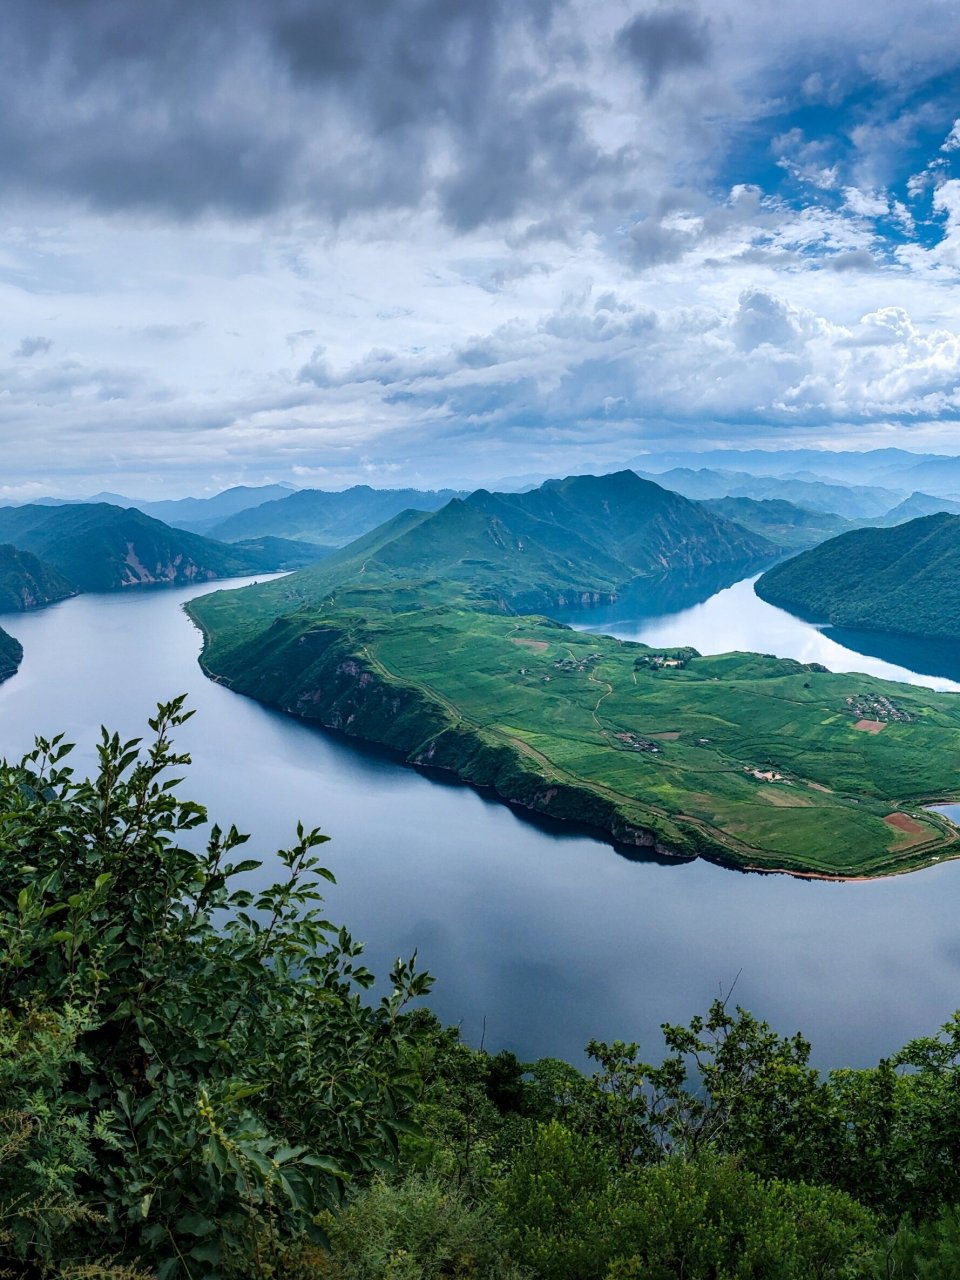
x: 538, y: 646
x: 870, y: 726
x: 904, y: 823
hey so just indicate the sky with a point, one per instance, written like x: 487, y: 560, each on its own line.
x: 429, y: 242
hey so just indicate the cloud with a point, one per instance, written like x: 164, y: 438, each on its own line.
x: 663, y: 41
x: 866, y: 204
x: 33, y: 346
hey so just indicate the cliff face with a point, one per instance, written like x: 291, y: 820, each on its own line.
x: 26, y: 582
x: 99, y: 547
x: 11, y: 654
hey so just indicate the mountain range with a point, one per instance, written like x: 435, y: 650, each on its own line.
x: 573, y: 541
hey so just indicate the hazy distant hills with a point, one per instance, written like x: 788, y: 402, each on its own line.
x: 905, y: 579
x: 194, y: 514
x: 854, y: 502
x: 27, y: 582
x: 918, y: 504
x: 888, y: 468
x: 97, y: 547
x: 199, y: 515
x: 328, y: 518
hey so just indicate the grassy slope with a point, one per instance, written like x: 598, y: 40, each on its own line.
x: 905, y: 579
x: 452, y: 687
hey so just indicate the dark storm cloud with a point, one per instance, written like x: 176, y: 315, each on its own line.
x: 244, y: 107
x: 663, y: 41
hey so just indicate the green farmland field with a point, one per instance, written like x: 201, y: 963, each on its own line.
x: 755, y: 761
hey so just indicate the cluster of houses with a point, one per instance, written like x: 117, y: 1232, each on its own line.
x: 868, y: 706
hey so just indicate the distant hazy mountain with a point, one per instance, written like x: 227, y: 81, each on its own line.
x: 935, y: 475
x: 905, y: 579
x: 854, y: 502
x: 571, y: 542
x: 883, y: 467
x: 195, y: 514
x: 27, y: 583
x: 11, y: 655
x: 918, y: 504
x: 784, y: 523
x: 200, y: 514
x: 98, y: 547
x: 330, y: 519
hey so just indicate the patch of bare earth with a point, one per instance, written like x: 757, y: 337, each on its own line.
x: 538, y: 646
x: 870, y: 726
x: 664, y: 737
x: 903, y: 822
x: 818, y: 786
x: 913, y: 832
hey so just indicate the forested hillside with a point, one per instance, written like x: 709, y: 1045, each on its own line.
x: 27, y: 582
x: 98, y: 547
x: 905, y: 579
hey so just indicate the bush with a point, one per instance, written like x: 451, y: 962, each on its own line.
x: 196, y: 1072
x: 416, y: 1230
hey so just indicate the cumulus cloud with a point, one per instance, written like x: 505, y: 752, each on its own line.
x: 299, y: 233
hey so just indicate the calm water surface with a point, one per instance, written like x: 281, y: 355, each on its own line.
x: 543, y: 938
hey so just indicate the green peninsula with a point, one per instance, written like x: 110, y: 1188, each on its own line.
x: 752, y: 761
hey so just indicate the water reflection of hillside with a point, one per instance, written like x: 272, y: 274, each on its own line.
x: 657, y: 597
x: 934, y: 657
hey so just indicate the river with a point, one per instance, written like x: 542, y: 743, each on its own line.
x: 539, y: 938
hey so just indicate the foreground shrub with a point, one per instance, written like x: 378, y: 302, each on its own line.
x: 190, y: 1070
x: 416, y: 1230
x: 571, y: 1215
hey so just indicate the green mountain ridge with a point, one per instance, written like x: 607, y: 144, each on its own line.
x: 905, y: 579
x: 572, y: 542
